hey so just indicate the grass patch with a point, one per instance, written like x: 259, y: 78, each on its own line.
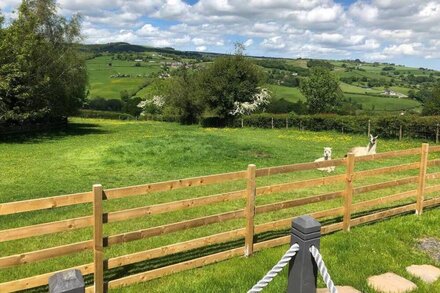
x: 121, y: 153
x: 351, y: 258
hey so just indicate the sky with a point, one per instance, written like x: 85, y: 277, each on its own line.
x: 395, y: 31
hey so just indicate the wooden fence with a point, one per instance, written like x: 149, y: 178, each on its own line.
x: 99, y: 218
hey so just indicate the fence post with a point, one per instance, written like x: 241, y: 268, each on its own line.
x: 303, y: 272
x: 250, y: 211
x: 400, y: 132
x: 242, y: 123
x: 287, y: 122
x: 436, y: 133
x: 369, y: 128
x: 348, y: 194
x: 272, y: 122
x: 422, y: 179
x: 98, y: 249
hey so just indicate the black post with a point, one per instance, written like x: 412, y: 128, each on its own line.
x: 303, y: 272
x: 70, y: 281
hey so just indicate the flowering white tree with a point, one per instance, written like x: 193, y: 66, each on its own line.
x: 152, y: 106
x: 259, y: 100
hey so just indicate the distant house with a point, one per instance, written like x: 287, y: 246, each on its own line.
x: 294, y: 74
x: 138, y: 60
x: 391, y: 93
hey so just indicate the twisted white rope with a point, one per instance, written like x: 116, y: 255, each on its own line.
x: 323, y: 270
x: 275, y: 270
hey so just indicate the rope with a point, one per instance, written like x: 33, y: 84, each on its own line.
x: 323, y: 269
x: 275, y: 270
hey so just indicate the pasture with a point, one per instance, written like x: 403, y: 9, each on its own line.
x: 367, y: 98
x: 103, y: 85
x: 116, y: 153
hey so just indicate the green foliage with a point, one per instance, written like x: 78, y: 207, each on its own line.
x: 322, y: 91
x: 86, y: 113
x: 384, y: 126
x: 432, y: 102
x: 228, y: 80
x: 105, y: 104
x: 320, y: 63
x: 184, y: 98
x: 41, y: 72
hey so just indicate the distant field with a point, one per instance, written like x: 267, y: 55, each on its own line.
x: 357, y: 94
x: 102, y: 85
x: 284, y: 92
x: 383, y: 103
x: 348, y: 88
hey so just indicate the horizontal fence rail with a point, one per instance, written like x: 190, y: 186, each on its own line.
x: 350, y: 207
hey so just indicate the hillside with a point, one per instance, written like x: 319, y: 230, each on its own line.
x: 122, y: 67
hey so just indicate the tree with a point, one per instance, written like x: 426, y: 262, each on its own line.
x: 42, y: 74
x: 432, y: 102
x: 229, y: 80
x: 183, y: 97
x: 322, y: 91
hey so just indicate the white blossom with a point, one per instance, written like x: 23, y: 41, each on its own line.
x: 259, y: 100
x: 157, y: 101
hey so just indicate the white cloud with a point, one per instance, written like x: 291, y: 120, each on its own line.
x: 369, y: 29
x: 248, y: 42
x: 403, y: 49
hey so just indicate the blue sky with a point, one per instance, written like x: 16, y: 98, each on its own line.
x: 398, y: 31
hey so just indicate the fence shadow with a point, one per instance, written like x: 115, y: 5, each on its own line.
x: 72, y: 129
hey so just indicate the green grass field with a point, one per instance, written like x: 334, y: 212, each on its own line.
x: 116, y: 154
x: 357, y: 94
x: 384, y: 104
x: 287, y: 93
x: 102, y: 85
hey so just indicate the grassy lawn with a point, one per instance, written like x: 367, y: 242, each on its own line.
x: 350, y: 258
x: 117, y: 153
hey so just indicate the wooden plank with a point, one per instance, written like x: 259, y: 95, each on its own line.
x: 44, y: 203
x: 298, y: 202
x: 385, y: 170
x: 348, y: 194
x: 175, y: 248
x: 298, y: 167
x: 432, y: 163
x: 98, y: 247
x: 431, y: 189
x: 285, y: 187
x: 383, y: 214
x: 173, y: 206
x: 434, y: 148
x: 173, y: 227
x: 40, y: 280
x: 432, y: 202
x: 383, y: 200
x: 286, y: 223
x: 384, y: 185
x: 432, y: 176
x: 250, y: 211
x: 332, y: 228
x: 45, y: 228
x: 388, y: 155
x: 172, y: 185
x: 38, y: 255
x: 186, y: 265
x: 421, y: 182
